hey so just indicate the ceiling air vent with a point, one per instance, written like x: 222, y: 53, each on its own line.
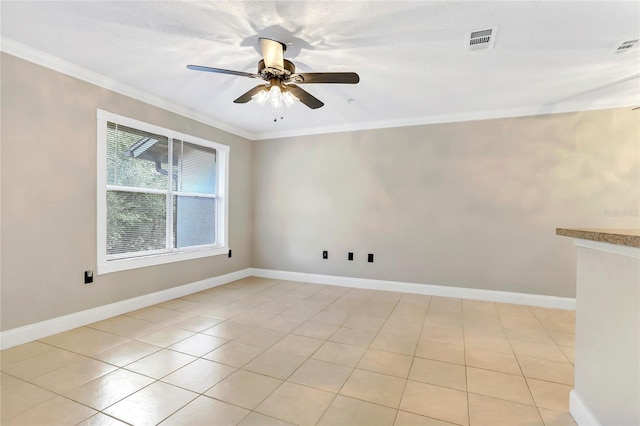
x: 625, y: 46
x: 481, y: 39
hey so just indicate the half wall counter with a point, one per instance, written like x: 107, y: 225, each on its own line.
x: 607, y: 360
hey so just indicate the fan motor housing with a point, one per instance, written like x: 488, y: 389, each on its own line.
x: 269, y: 73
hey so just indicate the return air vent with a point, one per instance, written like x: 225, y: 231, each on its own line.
x: 481, y: 39
x: 624, y: 46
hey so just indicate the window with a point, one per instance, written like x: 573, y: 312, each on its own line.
x: 161, y: 195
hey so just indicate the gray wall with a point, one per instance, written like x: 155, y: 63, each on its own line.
x: 48, y: 174
x: 470, y: 204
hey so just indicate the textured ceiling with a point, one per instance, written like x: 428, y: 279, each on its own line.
x: 411, y: 57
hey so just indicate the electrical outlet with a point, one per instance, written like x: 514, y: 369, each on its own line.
x: 370, y: 258
x: 325, y: 254
x: 229, y: 252
x: 88, y: 276
x: 350, y: 256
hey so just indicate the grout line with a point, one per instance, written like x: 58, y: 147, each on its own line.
x: 466, y: 376
x: 352, y: 307
x: 294, y: 371
x: 327, y: 340
x: 426, y: 313
x: 522, y: 371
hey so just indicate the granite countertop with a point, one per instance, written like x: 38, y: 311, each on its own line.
x: 621, y: 237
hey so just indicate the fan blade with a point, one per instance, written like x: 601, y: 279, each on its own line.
x: 326, y: 77
x: 251, y: 93
x: 221, y: 71
x: 305, y: 97
x: 272, y: 53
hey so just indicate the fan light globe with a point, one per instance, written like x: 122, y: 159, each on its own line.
x: 260, y: 97
x: 289, y: 98
x: 277, y: 99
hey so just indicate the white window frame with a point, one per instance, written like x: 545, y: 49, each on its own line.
x: 105, y: 265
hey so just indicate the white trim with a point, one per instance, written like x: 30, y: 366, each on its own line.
x: 107, y: 264
x: 428, y: 289
x: 580, y: 412
x: 44, y: 59
x: 223, y: 197
x: 194, y: 194
x: 124, y: 264
x: 609, y: 248
x: 168, y: 205
x: 159, y: 191
x: 101, y: 192
x: 42, y: 329
x: 49, y: 61
x: 139, y: 190
x: 105, y: 116
x: 441, y: 119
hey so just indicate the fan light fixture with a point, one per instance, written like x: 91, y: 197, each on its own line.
x: 275, y: 97
x: 283, y: 83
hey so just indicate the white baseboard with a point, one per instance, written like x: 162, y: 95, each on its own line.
x: 428, y: 289
x: 42, y: 329
x: 580, y: 412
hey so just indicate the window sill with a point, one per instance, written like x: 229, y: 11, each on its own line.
x: 116, y: 265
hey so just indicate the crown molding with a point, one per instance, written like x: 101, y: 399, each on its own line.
x: 49, y: 61
x: 52, y: 62
x: 531, y: 111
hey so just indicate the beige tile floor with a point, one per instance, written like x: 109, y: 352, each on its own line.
x: 268, y: 352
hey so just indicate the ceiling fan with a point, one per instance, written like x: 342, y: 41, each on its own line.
x: 281, y: 79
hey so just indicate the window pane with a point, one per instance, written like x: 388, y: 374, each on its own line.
x: 136, y: 158
x: 194, y: 221
x: 135, y: 222
x: 195, y: 168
